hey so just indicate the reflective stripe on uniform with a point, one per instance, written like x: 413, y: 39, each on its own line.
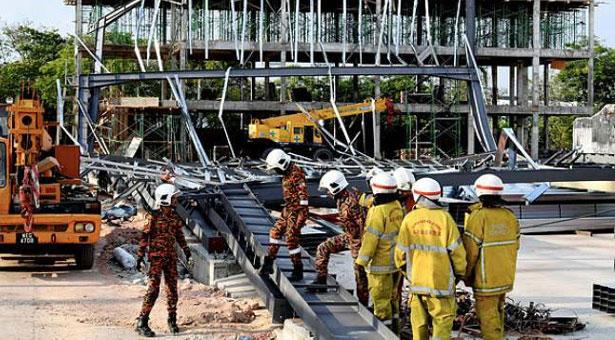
x: 430, y: 291
x: 429, y: 248
x: 275, y: 241
x: 403, y: 248
x: 455, y: 244
x: 499, y: 243
x: 374, y: 231
x: 364, y: 258
x: 294, y: 251
x: 493, y: 290
x: 380, y: 269
x: 384, y: 236
x: 473, y: 237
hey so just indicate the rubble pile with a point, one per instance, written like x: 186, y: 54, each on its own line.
x: 533, y: 319
x: 204, y: 305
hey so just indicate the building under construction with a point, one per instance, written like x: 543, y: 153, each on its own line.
x: 520, y: 41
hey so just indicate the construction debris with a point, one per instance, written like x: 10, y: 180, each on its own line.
x: 531, y: 320
x: 124, y: 258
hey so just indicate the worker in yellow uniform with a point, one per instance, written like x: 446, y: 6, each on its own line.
x: 366, y: 200
x: 491, y: 239
x: 430, y: 249
x: 405, y: 179
x: 378, y: 245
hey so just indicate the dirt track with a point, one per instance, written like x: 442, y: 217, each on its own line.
x: 56, y: 302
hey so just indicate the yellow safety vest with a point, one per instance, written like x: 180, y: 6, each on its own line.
x: 491, y: 239
x: 430, y: 247
x: 378, y: 242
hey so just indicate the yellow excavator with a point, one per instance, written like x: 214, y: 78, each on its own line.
x: 296, y: 133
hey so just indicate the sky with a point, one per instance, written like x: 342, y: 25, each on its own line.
x: 53, y: 13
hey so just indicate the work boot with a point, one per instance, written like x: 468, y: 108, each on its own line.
x: 267, y: 267
x: 297, y: 274
x: 172, y: 322
x: 143, y: 327
x: 314, y: 287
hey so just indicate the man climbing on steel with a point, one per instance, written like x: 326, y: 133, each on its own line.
x: 351, y: 217
x: 491, y: 240
x: 162, y: 231
x: 294, y: 214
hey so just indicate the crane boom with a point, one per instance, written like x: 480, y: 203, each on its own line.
x: 291, y: 128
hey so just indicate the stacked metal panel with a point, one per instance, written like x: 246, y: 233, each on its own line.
x: 604, y: 298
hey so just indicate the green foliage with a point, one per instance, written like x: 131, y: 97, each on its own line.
x: 560, y: 132
x: 31, y: 55
x: 570, y: 84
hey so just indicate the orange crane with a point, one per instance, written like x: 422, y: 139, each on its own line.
x: 44, y: 209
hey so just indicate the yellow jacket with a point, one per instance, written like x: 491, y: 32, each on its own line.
x: 491, y: 239
x: 378, y: 242
x: 430, y: 246
x: 366, y: 200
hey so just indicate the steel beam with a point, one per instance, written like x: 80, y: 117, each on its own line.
x: 101, y: 80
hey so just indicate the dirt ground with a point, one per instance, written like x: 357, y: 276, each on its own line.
x: 58, y: 302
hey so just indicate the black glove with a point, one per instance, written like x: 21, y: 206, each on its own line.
x: 188, y: 254
x: 139, y: 263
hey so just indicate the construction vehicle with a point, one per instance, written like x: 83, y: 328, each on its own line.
x: 297, y: 133
x: 44, y: 209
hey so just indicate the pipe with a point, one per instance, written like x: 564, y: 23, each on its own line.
x: 221, y: 109
x: 261, y: 23
x: 243, y: 30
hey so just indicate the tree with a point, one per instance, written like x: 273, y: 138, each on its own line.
x: 25, y: 51
x: 570, y: 84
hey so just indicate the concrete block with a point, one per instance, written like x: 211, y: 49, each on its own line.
x: 246, y: 294
x: 207, y: 268
x: 294, y: 329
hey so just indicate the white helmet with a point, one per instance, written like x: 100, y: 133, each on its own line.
x: 488, y: 185
x: 427, y: 187
x: 277, y: 158
x: 371, y: 173
x: 383, y: 183
x: 163, y: 195
x: 333, y: 181
x: 404, y: 178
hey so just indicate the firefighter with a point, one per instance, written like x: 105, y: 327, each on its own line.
x: 367, y: 199
x: 352, y: 218
x: 491, y: 240
x: 430, y: 249
x: 162, y: 230
x: 405, y: 179
x: 294, y: 214
x: 377, y: 248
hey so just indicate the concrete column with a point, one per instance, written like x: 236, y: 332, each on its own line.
x: 522, y: 85
x: 183, y: 51
x: 545, y: 131
x: 494, y: 84
x: 267, y: 92
x: 520, y: 126
x: 590, y: 62
x: 511, y: 85
x: 535, y: 77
